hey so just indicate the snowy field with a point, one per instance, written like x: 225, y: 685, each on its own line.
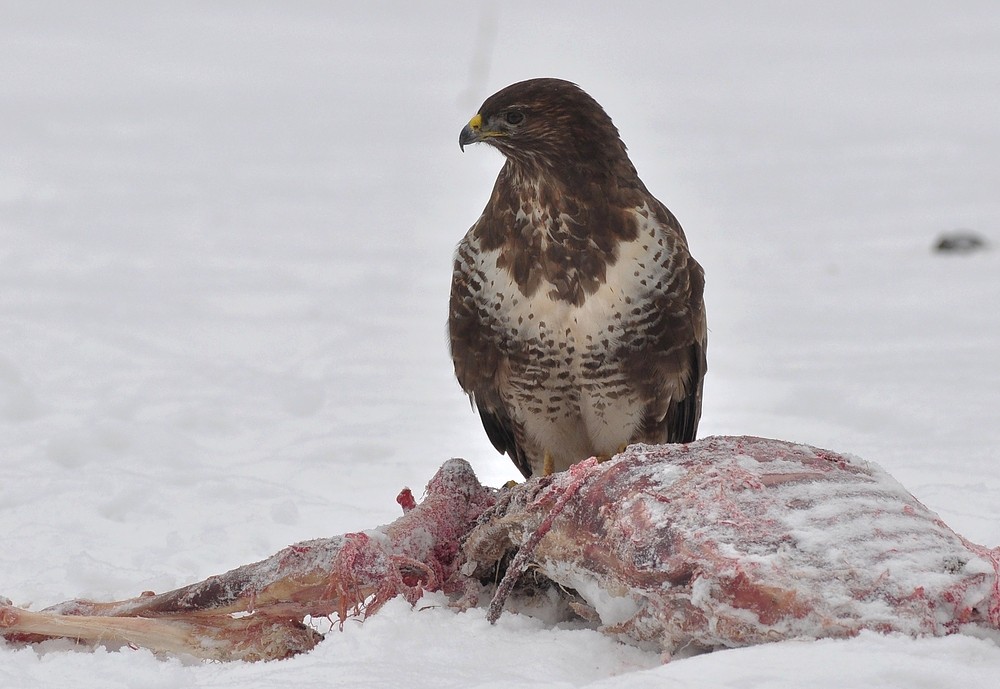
x: 225, y: 245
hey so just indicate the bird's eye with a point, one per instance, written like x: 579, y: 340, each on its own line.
x: 514, y: 117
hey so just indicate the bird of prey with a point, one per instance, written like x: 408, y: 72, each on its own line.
x: 576, y: 321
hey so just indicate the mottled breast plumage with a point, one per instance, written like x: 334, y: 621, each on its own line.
x: 576, y: 323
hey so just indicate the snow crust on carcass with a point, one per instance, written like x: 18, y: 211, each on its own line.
x: 612, y: 609
x: 734, y: 541
x: 838, y: 533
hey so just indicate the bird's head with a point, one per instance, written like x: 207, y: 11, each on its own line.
x: 548, y: 123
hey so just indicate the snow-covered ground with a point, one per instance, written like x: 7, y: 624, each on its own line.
x: 225, y: 245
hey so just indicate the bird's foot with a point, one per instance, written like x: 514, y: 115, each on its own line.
x: 603, y: 458
x: 548, y: 465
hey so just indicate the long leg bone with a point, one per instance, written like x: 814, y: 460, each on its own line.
x: 256, y: 611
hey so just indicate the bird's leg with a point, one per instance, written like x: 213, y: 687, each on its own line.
x: 604, y: 458
x: 548, y: 464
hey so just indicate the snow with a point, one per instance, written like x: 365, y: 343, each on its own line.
x: 225, y: 246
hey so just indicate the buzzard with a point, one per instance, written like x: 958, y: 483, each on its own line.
x: 576, y: 322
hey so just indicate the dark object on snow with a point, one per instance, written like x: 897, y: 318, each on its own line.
x: 960, y: 242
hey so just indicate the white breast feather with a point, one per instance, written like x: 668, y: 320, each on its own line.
x: 606, y: 423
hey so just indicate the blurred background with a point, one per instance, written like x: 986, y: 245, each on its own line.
x: 226, y: 232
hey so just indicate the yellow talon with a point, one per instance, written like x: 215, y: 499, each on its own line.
x: 548, y: 465
x: 603, y: 458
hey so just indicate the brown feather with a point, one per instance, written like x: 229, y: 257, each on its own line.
x: 577, y: 321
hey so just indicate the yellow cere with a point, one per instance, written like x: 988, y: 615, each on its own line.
x: 476, y: 122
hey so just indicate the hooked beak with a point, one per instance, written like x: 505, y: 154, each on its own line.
x: 471, y: 133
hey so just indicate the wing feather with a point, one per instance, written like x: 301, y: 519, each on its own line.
x: 478, y: 358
